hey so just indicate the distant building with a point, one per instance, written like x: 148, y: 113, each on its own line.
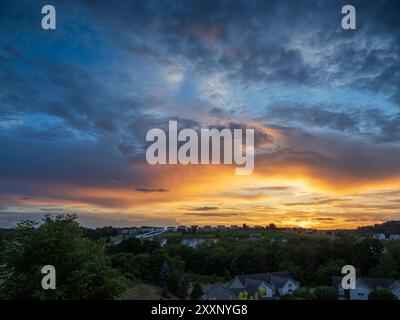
x: 146, y: 229
x: 364, y: 286
x: 275, y: 284
x: 194, y: 243
x: 171, y: 229
x: 394, y: 237
x: 181, y: 228
x: 255, y: 237
x: 221, y: 227
x: 379, y: 236
x: 206, y: 228
x: 234, y: 227
x: 129, y: 231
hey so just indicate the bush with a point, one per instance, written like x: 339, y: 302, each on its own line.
x: 299, y: 294
x: 381, y: 294
x: 326, y: 293
x: 83, y: 271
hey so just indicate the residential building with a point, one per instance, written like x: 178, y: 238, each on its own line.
x: 255, y: 236
x: 274, y: 284
x: 181, y: 228
x: 379, y: 236
x: 194, y: 243
x: 364, y: 286
x: 394, y: 237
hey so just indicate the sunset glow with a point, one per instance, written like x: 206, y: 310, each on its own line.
x: 76, y: 103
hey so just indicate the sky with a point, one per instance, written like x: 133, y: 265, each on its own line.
x: 76, y: 103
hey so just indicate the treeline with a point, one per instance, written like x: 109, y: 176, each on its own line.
x: 97, y: 269
x: 388, y: 228
x: 312, y: 261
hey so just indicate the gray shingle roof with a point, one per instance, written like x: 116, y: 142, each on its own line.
x: 277, y: 279
x: 218, y: 292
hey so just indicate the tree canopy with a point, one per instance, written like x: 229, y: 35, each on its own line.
x: 83, y: 271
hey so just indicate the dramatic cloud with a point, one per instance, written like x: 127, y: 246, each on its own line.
x: 76, y: 103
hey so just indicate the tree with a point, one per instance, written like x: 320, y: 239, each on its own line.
x: 243, y: 295
x: 326, y: 293
x: 83, y: 271
x: 324, y: 272
x: 130, y: 245
x: 164, y: 275
x: 197, y: 292
x: 367, y: 254
x: 381, y: 294
x: 299, y: 294
x: 387, y: 267
x: 183, y: 286
x: 257, y: 295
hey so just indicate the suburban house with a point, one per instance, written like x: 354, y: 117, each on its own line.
x: 274, y: 284
x: 364, y: 286
x: 194, y: 243
x: 255, y: 236
x: 394, y: 237
x: 379, y: 236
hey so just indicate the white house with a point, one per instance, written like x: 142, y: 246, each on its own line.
x: 379, y: 236
x: 274, y: 284
x: 394, y: 237
x: 364, y: 286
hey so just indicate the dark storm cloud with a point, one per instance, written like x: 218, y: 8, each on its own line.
x: 146, y: 190
x: 315, y: 116
x: 76, y: 103
x: 333, y: 159
x: 206, y: 208
x: 212, y: 214
x: 371, y: 123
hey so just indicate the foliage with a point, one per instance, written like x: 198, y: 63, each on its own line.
x: 325, y: 293
x: 257, y: 295
x: 196, y: 292
x: 300, y: 294
x: 83, y: 271
x: 381, y: 294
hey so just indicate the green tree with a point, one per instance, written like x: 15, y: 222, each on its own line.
x: 299, y: 294
x: 257, y: 295
x: 387, y: 267
x: 183, y: 286
x: 196, y: 292
x: 326, y: 293
x: 164, y: 275
x: 326, y: 271
x: 243, y: 295
x: 381, y: 294
x: 83, y: 271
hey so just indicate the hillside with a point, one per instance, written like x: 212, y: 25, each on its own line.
x: 389, y: 227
